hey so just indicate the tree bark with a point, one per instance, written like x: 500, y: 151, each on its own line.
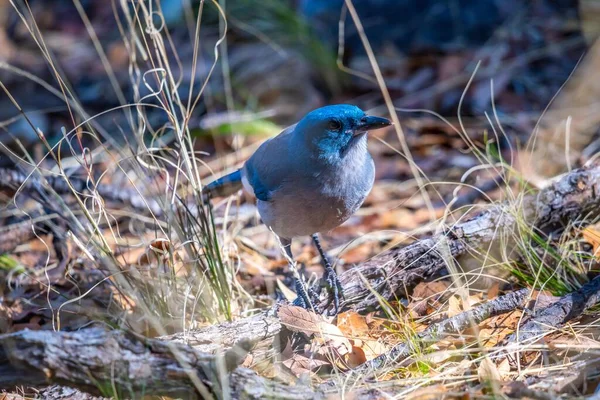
x: 112, y: 363
x: 214, y: 338
x: 261, y: 330
x: 567, y: 308
x: 121, y: 365
x: 56, y: 392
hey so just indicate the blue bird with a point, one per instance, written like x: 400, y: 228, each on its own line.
x: 310, y: 179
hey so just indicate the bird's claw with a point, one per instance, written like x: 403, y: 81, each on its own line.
x: 330, y: 279
x: 334, y: 287
x: 307, y: 298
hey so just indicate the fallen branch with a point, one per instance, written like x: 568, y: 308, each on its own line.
x: 519, y: 390
x: 567, y: 308
x: 56, y: 392
x: 96, y: 361
x: 576, y: 377
x: 15, y: 235
x: 260, y: 329
x: 13, y: 180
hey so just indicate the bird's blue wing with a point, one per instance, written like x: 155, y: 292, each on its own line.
x: 259, y: 189
x: 269, y: 166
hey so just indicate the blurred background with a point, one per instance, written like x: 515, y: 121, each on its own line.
x: 283, y: 58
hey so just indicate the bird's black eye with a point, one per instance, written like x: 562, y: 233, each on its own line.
x: 335, y: 125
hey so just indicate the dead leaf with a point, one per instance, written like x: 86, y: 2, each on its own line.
x: 425, y: 290
x: 432, y: 392
x: 353, y: 325
x: 160, y: 245
x: 488, y: 372
x: 364, y: 346
x: 424, y: 299
x: 493, y: 291
x: 330, y: 342
x: 592, y: 236
x: 423, y: 215
x: 471, y: 301
x: 298, y: 319
x: 491, y: 337
x: 356, y: 357
x: 373, y: 348
x: 454, y: 307
x: 438, y: 356
x: 399, y: 218
x: 504, y: 369
x: 300, y: 364
x: 359, y: 253
x: 286, y: 291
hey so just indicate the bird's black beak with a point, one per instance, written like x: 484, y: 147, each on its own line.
x: 368, y: 123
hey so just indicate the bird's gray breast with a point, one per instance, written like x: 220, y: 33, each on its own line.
x: 319, y: 199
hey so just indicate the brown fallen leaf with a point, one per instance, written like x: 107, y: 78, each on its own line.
x: 425, y: 297
x: 298, y: 319
x: 471, y: 301
x: 488, y: 372
x: 353, y: 325
x: 356, y: 357
x: 331, y: 343
x: 399, y: 218
x: 373, y: 348
x: 491, y: 337
x: 504, y: 369
x: 493, y: 291
x: 425, y: 290
x: 359, y: 253
x: 286, y: 291
x: 454, y: 306
x: 432, y: 392
x: 592, y: 235
x: 300, y: 364
x: 160, y: 245
x: 364, y: 340
x: 328, y: 341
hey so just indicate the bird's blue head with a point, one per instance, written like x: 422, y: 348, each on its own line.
x: 332, y: 131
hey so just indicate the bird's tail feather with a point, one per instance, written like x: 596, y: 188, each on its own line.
x: 225, y: 185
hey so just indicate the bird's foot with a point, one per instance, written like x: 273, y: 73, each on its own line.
x: 307, y: 297
x: 334, y: 286
x: 330, y: 279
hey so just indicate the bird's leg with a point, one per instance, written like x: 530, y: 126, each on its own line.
x: 304, y: 296
x: 330, y: 276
